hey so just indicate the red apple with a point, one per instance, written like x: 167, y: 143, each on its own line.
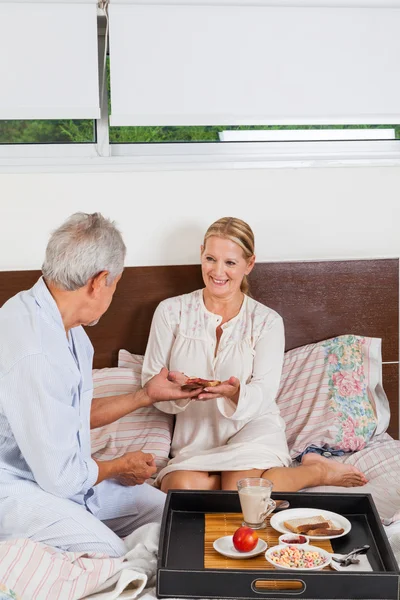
x: 245, y: 539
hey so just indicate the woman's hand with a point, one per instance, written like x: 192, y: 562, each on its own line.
x: 229, y: 389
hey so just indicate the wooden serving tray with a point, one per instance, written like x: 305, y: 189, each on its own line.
x: 220, y: 524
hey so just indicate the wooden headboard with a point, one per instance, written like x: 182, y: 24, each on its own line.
x: 317, y: 300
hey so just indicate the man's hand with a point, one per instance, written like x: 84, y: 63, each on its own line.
x: 229, y: 389
x: 177, y: 377
x: 135, y: 467
x: 167, y: 386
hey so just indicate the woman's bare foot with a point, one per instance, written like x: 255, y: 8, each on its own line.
x: 335, y: 473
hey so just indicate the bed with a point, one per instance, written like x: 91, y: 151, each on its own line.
x: 317, y: 300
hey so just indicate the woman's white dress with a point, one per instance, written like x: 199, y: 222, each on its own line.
x: 216, y: 435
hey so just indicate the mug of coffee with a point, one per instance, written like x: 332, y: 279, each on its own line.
x: 255, y: 500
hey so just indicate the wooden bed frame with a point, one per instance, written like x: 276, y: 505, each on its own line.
x: 317, y: 300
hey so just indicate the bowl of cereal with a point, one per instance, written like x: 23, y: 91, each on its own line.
x: 298, y: 558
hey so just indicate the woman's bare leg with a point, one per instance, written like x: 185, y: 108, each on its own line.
x: 230, y: 478
x: 191, y: 480
x: 314, y: 470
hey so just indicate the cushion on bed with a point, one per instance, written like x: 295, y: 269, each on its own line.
x: 331, y: 394
x: 7, y: 594
x: 146, y: 429
x: 131, y: 361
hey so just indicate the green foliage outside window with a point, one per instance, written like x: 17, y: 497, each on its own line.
x: 46, y: 132
x: 121, y: 135
x: 70, y: 131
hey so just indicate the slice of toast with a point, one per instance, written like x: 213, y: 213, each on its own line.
x: 332, y: 529
x: 306, y: 524
x: 311, y: 526
x: 327, y: 531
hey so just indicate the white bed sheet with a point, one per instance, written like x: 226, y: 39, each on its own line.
x: 380, y: 463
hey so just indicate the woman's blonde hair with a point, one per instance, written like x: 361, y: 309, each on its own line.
x: 237, y: 231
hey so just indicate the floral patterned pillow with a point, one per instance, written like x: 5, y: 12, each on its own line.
x: 7, y: 594
x: 331, y: 394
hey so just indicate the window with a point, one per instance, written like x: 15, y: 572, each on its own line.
x: 252, y: 64
x: 373, y: 133
x: 50, y: 64
x: 49, y: 85
x: 218, y: 133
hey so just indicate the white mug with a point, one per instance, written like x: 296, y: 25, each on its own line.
x: 255, y: 501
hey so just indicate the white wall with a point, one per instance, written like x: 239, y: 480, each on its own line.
x: 305, y: 213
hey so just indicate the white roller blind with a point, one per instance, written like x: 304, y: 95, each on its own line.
x: 49, y: 64
x: 253, y: 63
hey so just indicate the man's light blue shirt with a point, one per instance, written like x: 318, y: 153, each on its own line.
x: 46, y: 391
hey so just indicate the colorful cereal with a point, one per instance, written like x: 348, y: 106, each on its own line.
x: 295, y: 557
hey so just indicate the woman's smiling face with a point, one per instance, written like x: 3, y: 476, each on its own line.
x: 223, y: 266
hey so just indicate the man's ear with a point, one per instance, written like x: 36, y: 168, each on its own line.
x: 97, y: 283
x: 250, y: 264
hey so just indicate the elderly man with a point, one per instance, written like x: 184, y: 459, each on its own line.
x: 51, y: 490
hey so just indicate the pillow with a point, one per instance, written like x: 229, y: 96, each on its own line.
x: 7, y: 594
x: 131, y: 361
x: 331, y: 394
x: 146, y: 429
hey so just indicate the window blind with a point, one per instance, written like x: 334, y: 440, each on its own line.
x: 49, y: 66
x: 254, y: 63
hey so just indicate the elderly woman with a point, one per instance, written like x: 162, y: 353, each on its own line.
x: 233, y: 430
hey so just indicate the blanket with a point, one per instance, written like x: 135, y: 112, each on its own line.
x: 34, y: 571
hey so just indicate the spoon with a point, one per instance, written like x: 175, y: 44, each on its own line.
x: 350, y: 557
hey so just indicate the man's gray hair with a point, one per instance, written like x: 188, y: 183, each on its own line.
x: 84, y: 246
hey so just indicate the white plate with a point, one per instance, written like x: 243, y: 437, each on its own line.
x: 224, y: 545
x: 324, y: 553
x: 278, y: 519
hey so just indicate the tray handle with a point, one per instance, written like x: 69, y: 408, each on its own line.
x: 271, y: 584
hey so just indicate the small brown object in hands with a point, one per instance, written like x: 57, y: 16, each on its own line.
x: 195, y: 383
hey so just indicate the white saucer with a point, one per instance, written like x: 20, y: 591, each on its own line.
x: 224, y: 545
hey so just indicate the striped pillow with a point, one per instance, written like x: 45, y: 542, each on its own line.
x: 131, y: 361
x: 331, y: 394
x: 146, y: 429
